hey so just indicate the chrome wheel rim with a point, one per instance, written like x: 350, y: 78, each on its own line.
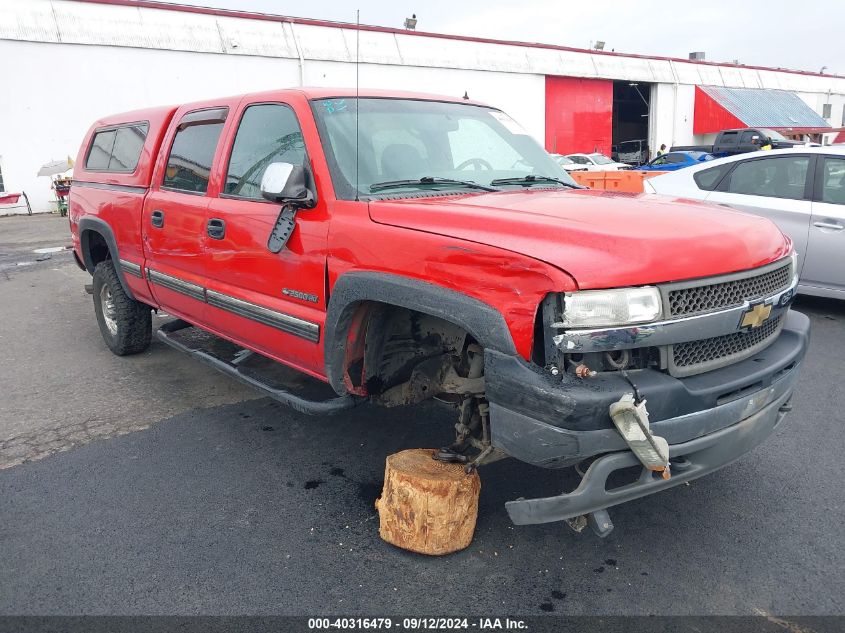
x: 107, y: 305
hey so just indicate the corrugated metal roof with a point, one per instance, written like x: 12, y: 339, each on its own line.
x: 766, y: 108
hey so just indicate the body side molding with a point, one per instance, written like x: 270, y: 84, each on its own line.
x: 266, y: 316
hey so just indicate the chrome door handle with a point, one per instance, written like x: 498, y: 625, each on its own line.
x: 829, y: 225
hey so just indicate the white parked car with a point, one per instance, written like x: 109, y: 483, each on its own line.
x: 597, y: 162
x: 567, y: 163
x: 802, y: 190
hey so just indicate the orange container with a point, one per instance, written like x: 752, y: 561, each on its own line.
x: 629, y: 181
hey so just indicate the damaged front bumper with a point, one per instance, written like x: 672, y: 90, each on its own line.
x: 709, y: 420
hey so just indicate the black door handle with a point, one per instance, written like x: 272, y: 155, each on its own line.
x: 216, y: 228
x: 157, y: 218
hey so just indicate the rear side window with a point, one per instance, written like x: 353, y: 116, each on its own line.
x: 728, y: 138
x: 780, y: 177
x: 117, y: 149
x: 708, y: 179
x: 833, y: 181
x: 268, y: 133
x: 192, y: 152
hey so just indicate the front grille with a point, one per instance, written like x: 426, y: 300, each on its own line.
x: 730, y: 293
x: 696, y: 357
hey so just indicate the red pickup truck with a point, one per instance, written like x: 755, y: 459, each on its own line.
x: 402, y: 247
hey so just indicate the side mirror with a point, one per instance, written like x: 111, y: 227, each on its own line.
x: 286, y: 184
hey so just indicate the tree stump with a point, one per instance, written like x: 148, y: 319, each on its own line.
x: 427, y: 506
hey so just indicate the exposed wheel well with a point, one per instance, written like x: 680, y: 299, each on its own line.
x: 385, y: 343
x: 95, y: 249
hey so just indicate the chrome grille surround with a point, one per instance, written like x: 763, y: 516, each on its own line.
x: 710, y: 334
x: 690, y: 298
x: 696, y: 357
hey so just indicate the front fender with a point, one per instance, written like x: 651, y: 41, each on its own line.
x: 480, y: 320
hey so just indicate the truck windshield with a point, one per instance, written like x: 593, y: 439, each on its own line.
x: 427, y: 145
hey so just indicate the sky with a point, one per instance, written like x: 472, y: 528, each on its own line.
x: 754, y: 32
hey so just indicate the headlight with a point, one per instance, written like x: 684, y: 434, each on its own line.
x: 622, y: 306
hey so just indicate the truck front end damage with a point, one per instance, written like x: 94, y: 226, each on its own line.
x: 678, y: 379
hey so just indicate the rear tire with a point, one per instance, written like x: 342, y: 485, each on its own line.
x: 126, y: 324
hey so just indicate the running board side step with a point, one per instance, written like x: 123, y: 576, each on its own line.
x: 232, y: 369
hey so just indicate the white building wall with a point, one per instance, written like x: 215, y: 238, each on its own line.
x: 116, y: 58
x: 671, y: 113
x: 40, y: 122
x: 45, y: 124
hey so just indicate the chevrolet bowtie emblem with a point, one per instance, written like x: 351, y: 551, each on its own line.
x: 756, y: 316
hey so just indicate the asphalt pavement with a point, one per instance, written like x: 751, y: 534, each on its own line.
x: 196, y: 497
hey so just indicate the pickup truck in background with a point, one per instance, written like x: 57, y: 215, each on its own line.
x: 401, y: 247
x: 730, y: 142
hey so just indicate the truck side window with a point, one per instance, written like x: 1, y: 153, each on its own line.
x: 268, y: 133
x: 189, y: 163
x: 780, y: 177
x: 748, y: 137
x: 117, y: 149
x: 128, y: 143
x: 728, y: 138
x: 100, y: 152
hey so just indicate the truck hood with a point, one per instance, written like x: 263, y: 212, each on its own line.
x: 602, y: 239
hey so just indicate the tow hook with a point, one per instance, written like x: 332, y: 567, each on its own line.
x: 599, y: 522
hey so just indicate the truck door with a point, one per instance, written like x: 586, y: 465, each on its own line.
x: 774, y: 187
x: 824, y: 265
x: 750, y: 141
x: 726, y: 143
x: 274, y: 303
x: 174, y: 217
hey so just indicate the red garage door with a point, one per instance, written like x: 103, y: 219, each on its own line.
x: 579, y: 115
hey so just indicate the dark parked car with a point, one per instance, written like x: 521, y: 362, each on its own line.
x: 740, y: 141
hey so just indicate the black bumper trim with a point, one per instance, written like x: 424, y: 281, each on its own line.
x: 574, y: 404
x: 701, y: 456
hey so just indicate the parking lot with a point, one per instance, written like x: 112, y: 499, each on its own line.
x: 152, y: 484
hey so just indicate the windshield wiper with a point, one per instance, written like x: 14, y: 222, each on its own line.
x: 427, y: 180
x: 530, y: 179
